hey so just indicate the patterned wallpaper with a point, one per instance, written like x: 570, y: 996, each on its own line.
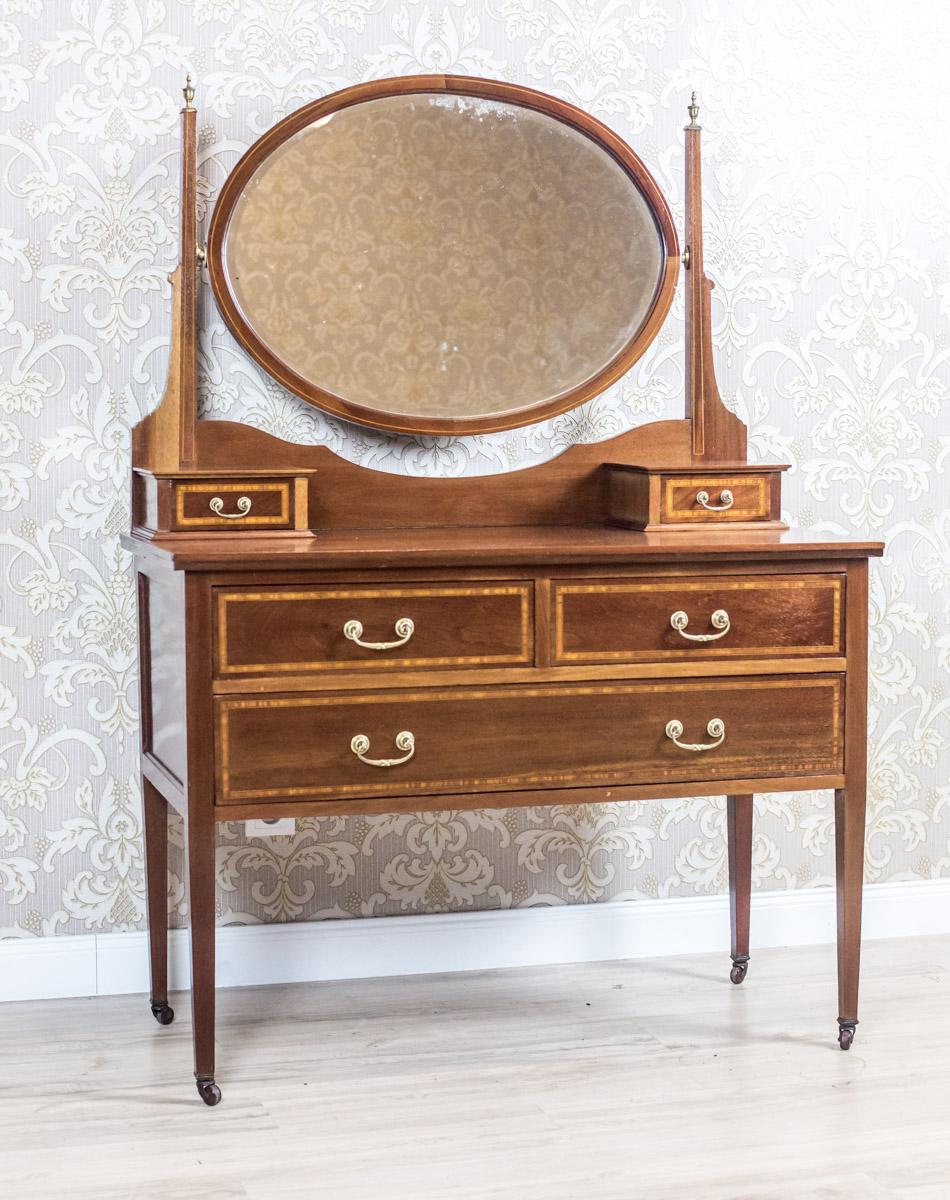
x: 828, y: 217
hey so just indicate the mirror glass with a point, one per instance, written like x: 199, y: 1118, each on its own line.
x: 440, y: 255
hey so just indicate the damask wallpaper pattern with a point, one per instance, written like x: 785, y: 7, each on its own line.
x: 828, y: 219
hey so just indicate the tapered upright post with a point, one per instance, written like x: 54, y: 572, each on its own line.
x: 718, y: 434
x: 166, y: 439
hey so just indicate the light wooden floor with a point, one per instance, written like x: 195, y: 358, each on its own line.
x: 615, y: 1081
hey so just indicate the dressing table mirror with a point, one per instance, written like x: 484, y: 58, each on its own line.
x: 438, y: 255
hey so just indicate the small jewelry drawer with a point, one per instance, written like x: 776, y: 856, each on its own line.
x: 232, y: 504
x: 669, y: 500
x: 222, y: 501
x: 768, y: 616
x: 396, y: 743
x: 723, y: 498
x: 301, y: 629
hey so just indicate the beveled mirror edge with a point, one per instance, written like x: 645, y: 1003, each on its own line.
x: 488, y: 89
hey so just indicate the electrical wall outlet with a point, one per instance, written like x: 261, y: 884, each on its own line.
x: 278, y: 827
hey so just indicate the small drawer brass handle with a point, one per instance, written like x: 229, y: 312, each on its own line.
x: 715, y: 728
x: 404, y: 741
x: 216, y: 505
x: 719, y: 620
x: 726, y: 499
x: 404, y: 627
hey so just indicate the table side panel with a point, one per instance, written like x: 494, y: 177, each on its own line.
x: 163, y: 634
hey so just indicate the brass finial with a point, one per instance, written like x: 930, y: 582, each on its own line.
x: 693, y: 109
x: 188, y: 91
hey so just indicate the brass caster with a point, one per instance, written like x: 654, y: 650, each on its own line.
x: 209, y: 1091
x: 740, y: 968
x: 162, y: 1011
x: 846, y: 1029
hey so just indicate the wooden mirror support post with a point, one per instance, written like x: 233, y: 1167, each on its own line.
x: 318, y: 639
x: 717, y: 484
x: 180, y: 485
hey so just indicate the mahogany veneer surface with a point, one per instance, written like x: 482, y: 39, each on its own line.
x: 328, y: 549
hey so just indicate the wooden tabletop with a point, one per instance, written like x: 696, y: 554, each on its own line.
x: 334, y: 548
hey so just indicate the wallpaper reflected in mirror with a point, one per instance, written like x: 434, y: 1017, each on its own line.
x: 443, y: 256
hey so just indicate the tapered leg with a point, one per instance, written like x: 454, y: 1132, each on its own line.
x: 739, y: 833
x: 201, y: 885
x: 156, y: 888
x: 851, y: 803
x: 850, y: 816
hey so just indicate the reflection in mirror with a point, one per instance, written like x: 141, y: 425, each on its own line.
x: 442, y: 255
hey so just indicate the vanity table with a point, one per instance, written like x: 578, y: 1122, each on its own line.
x: 442, y: 255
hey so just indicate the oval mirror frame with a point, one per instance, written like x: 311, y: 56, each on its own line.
x: 491, y: 90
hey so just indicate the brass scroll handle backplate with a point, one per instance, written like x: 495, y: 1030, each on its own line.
x: 359, y: 744
x: 716, y: 729
x: 726, y: 500
x: 404, y: 628
x: 216, y: 504
x: 719, y: 620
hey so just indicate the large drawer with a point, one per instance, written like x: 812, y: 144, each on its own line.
x: 302, y: 629
x: 507, y: 738
x: 717, y: 617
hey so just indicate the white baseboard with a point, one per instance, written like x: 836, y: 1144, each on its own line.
x: 114, y: 963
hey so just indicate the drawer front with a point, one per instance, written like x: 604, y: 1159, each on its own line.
x: 320, y: 629
x: 707, y: 498
x: 767, y: 616
x: 256, y: 504
x: 507, y: 738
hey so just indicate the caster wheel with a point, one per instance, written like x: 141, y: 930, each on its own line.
x: 740, y: 968
x: 163, y: 1013
x: 209, y: 1091
x: 846, y: 1034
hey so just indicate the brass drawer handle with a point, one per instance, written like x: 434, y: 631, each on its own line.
x: 719, y: 620
x: 716, y: 729
x: 216, y: 505
x: 404, y: 627
x: 404, y: 741
x: 725, y: 496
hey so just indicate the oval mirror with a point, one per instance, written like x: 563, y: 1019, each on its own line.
x: 442, y: 255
